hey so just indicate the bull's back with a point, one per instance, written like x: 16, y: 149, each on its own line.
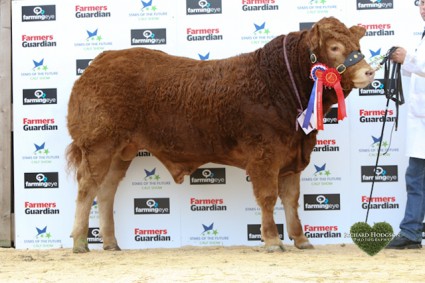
x: 139, y: 89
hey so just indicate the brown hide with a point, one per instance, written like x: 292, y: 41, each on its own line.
x: 239, y: 111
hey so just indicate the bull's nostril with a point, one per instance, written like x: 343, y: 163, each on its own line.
x: 370, y: 73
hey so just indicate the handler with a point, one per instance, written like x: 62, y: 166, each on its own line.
x: 410, y: 236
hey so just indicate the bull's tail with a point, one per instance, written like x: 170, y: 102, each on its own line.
x: 74, y: 157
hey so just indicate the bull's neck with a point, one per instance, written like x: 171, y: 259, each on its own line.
x: 284, y: 75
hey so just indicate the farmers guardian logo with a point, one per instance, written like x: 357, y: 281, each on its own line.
x: 322, y: 202
x: 41, y: 208
x: 148, y: 36
x: 385, y: 173
x: 38, y: 13
x: 93, y: 236
x: 326, y: 146
x: 203, y: 7
x: 372, y: 147
x: 151, y: 235
x: 380, y: 202
x: 152, y: 206
x: 41, y: 180
x: 311, y: 231
x: 81, y: 65
x: 317, y: 7
x: 39, y: 124
x: 208, y: 34
x: 375, y: 116
x: 254, y: 232
x: 374, y: 4
x: 378, y: 29
x: 148, y: 11
x: 259, y: 5
x: 92, y: 12
x: 31, y: 41
x: 143, y: 153
x: 207, y: 205
x: 39, y: 96
x: 208, y: 176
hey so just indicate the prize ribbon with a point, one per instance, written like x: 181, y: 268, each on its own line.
x: 332, y: 78
x: 315, y: 101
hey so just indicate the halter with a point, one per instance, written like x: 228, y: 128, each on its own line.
x: 353, y: 58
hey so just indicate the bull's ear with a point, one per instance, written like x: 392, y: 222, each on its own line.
x: 314, y: 37
x: 358, y: 31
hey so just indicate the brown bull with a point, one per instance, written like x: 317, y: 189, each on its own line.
x: 239, y: 111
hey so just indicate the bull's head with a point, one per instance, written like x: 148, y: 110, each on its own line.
x: 337, y: 46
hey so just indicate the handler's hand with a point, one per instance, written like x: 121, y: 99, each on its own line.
x: 398, y: 55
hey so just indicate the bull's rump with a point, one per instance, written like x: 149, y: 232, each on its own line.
x: 167, y: 101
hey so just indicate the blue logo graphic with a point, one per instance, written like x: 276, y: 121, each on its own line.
x: 150, y: 175
x: 92, y: 35
x: 208, y: 230
x: 39, y: 149
x: 204, y: 57
x: 375, y: 53
x: 146, y: 4
x: 39, y: 65
x: 42, y: 233
x: 376, y: 140
x: 259, y: 28
x: 320, y: 170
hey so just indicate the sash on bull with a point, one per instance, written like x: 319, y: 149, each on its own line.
x: 240, y: 111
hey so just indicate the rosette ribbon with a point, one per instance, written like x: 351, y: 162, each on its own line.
x: 332, y: 78
x: 315, y: 101
x: 329, y: 77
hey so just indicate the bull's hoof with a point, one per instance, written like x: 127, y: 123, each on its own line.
x: 275, y: 248
x: 114, y: 247
x: 80, y: 250
x: 305, y: 246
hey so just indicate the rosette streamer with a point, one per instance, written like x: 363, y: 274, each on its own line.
x: 323, y: 76
x: 315, y: 102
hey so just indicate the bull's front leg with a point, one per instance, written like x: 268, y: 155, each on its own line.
x: 289, y: 192
x: 266, y: 193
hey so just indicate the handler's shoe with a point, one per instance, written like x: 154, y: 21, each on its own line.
x: 400, y: 242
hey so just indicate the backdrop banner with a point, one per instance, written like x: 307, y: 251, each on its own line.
x: 54, y: 41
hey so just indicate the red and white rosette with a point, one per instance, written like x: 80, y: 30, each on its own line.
x: 331, y: 78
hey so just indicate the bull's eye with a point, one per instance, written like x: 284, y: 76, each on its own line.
x: 334, y: 48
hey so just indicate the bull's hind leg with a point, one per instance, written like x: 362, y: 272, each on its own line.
x: 265, y: 191
x: 90, y: 174
x: 289, y: 192
x: 105, y: 199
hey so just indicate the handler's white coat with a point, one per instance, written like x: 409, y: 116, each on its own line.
x: 414, y: 66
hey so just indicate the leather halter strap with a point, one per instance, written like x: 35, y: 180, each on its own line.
x: 353, y: 58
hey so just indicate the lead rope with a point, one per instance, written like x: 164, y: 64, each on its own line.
x: 294, y: 86
x: 395, y: 94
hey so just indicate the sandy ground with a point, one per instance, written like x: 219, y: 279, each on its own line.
x: 326, y: 263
